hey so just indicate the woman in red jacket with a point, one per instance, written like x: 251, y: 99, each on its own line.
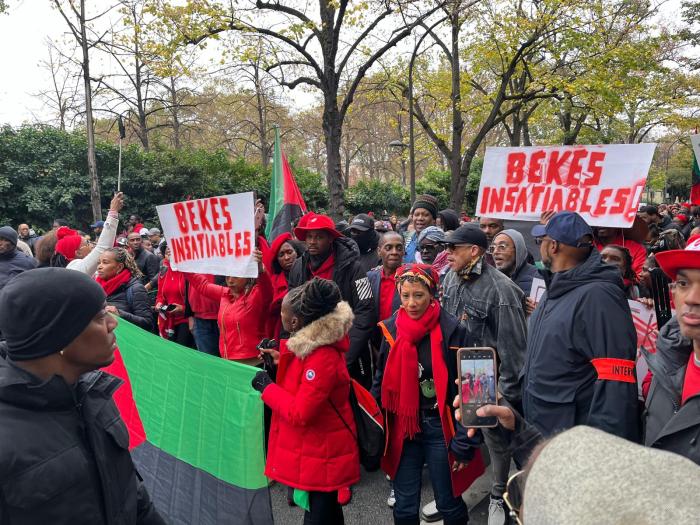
x: 312, y: 446
x: 170, y: 302
x: 278, y: 260
x: 242, y: 312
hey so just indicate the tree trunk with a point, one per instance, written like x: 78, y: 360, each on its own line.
x: 92, y: 162
x: 457, y: 121
x: 332, y: 133
x: 174, y: 111
x: 262, y: 120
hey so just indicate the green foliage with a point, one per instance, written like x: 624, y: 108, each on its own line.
x: 43, y: 175
x: 377, y: 196
x: 437, y: 184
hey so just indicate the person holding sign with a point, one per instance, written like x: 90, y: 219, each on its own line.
x: 243, y: 310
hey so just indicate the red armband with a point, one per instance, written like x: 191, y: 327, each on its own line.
x: 615, y: 369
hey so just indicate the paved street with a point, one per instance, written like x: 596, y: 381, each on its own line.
x: 368, y: 505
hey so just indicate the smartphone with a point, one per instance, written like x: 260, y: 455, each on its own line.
x: 478, y: 380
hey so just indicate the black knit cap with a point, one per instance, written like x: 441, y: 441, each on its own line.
x: 43, y: 310
x: 427, y: 202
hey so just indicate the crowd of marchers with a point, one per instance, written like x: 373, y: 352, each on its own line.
x: 386, y: 302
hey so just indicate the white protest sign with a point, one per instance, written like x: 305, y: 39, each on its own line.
x: 214, y: 235
x: 537, y: 290
x: 602, y: 183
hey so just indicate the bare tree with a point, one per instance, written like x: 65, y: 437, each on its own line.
x: 63, y: 95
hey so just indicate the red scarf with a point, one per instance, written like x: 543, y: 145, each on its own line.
x: 400, y: 383
x: 111, y: 285
x: 325, y: 271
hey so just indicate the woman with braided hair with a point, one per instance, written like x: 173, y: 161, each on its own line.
x: 120, y: 278
x: 415, y: 385
x: 312, y: 445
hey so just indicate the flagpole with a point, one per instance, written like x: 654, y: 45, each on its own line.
x: 119, y: 169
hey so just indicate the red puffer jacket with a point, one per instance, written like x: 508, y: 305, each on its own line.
x: 310, y: 447
x: 241, y: 319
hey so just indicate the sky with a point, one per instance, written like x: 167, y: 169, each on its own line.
x: 23, y: 40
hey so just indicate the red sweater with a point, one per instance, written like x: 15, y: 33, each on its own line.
x: 171, y: 290
x: 241, y: 319
x: 202, y: 306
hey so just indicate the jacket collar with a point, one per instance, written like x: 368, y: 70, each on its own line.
x: 325, y: 331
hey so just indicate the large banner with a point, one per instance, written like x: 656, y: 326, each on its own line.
x: 214, y: 235
x: 602, y: 183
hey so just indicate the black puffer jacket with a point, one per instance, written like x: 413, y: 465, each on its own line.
x: 356, y: 290
x: 132, y: 301
x: 64, y: 456
x: 149, y: 264
x: 12, y: 264
x: 668, y: 424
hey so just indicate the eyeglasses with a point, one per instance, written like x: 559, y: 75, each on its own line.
x: 452, y: 247
x: 500, y: 247
x: 429, y: 248
x: 513, y: 495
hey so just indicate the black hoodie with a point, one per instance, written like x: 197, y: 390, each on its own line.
x: 356, y: 290
x: 64, y: 453
x: 583, y: 315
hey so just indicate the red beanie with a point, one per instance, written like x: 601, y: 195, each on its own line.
x: 68, y: 242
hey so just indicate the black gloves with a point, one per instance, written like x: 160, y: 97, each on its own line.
x: 261, y: 381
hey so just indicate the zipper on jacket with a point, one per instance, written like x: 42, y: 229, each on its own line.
x: 240, y: 341
x: 223, y: 329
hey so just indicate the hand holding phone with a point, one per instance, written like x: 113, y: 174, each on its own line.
x: 478, y: 380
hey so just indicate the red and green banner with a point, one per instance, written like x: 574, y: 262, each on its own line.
x: 286, y: 203
x: 195, y: 430
x: 695, y: 173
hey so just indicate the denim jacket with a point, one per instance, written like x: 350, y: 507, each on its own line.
x: 490, y: 307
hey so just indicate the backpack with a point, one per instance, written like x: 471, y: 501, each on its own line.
x: 369, y: 422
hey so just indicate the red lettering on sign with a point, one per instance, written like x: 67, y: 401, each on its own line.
x: 214, y: 213
x: 536, y: 193
x: 191, y: 215
x: 229, y: 248
x: 176, y: 249
x: 555, y: 165
x: 585, y: 207
x: 602, y: 206
x: 521, y: 202
x: 575, y: 168
x: 620, y: 200
x: 534, y: 174
x: 595, y: 170
x: 222, y: 244
x: 557, y: 203
x: 496, y: 200
x: 572, y: 200
x: 214, y: 246
x: 181, y: 216
x: 515, y: 169
x: 202, y: 210
x: 247, y: 243
x: 226, y: 214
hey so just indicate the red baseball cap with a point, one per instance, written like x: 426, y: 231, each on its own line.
x: 313, y: 221
x: 674, y: 260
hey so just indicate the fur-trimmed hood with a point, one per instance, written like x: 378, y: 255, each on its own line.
x: 324, y: 331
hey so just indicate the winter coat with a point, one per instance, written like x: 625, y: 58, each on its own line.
x: 354, y: 289
x: 459, y: 445
x: 149, y: 264
x: 88, y: 264
x: 202, y: 307
x: 523, y: 273
x: 668, y: 425
x: 241, y: 319
x: 375, y: 280
x: 131, y: 299
x: 30, y: 240
x: 369, y: 258
x: 312, y: 444
x: 64, y: 454
x: 490, y: 307
x: 12, y: 264
x: 583, y: 316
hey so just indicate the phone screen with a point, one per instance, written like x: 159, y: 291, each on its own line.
x: 477, y: 384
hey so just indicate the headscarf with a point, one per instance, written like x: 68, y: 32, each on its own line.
x: 423, y: 272
x: 432, y: 233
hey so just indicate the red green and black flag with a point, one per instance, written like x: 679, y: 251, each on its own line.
x: 195, y: 430
x: 286, y: 203
x: 695, y: 185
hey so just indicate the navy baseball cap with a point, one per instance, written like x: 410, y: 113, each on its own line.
x: 565, y: 227
x: 98, y: 224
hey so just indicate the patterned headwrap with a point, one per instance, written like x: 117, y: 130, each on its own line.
x: 418, y: 272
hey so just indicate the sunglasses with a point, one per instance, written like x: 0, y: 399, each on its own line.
x: 513, y: 496
x: 452, y: 247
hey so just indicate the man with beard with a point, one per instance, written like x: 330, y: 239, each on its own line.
x: 148, y: 263
x: 581, y: 348
x: 27, y: 236
x: 362, y: 231
x: 491, y: 227
x: 510, y: 257
x: 12, y: 261
x: 331, y: 256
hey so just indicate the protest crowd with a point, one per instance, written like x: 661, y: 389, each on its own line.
x: 598, y: 411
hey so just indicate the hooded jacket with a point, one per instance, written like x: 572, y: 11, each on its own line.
x: 668, y: 425
x: 131, y: 299
x: 312, y: 442
x: 369, y: 258
x: 583, y: 316
x: 64, y: 454
x: 523, y: 272
x: 490, y: 307
x: 13, y: 263
x: 356, y: 291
